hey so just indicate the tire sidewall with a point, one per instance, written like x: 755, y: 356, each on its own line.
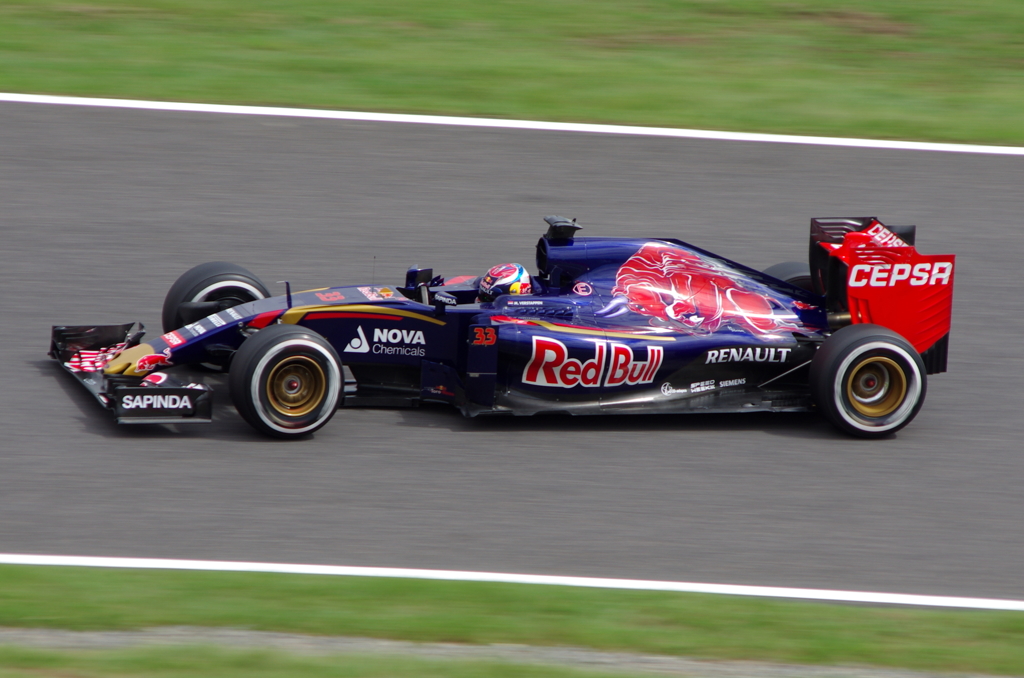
x: 845, y: 349
x: 204, y: 280
x: 253, y: 364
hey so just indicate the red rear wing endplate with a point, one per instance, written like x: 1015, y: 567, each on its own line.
x: 889, y: 283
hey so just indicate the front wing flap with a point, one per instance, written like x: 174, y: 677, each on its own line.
x: 159, y: 398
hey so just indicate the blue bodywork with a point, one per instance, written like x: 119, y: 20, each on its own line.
x: 612, y: 325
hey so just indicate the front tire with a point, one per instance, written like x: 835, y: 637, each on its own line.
x: 286, y: 381
x: 868, y: 380
x: 220, y: 281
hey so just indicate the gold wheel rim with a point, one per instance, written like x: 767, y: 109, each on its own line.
x: 296, y: 386
x: 876, y: 387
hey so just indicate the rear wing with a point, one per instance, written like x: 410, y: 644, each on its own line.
x: 873, y: 273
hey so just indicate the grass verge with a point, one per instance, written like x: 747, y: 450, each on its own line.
x: 207, y: 662
x: 714, y: 627
x: 931, y: 69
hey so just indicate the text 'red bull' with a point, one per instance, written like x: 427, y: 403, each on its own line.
x: 550, y: 365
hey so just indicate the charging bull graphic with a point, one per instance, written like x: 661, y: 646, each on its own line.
x: 148, y: 363
x: 682, y: 290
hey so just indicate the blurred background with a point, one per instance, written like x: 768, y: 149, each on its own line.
x: 932, y: 70
x: 101, y: 209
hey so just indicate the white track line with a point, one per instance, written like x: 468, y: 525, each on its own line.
x: 451, y: 575
x: 496, y: 577
x: 510, y: 124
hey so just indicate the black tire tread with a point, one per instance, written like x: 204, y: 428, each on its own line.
x: 821, y: 378
x: 198, y: 277
x: 244, y: 363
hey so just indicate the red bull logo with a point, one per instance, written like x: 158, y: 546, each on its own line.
x: 148, y: 363
x: 504, y: 279
x: 613, y: 364
x: 680, y: 289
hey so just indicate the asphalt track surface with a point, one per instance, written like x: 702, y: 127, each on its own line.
x: 101, y: 209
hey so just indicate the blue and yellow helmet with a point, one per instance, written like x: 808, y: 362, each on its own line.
x: 504, y: 279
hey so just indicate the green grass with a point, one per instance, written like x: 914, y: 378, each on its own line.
x: 206, y: 662
x: 930, y: 69
x: 715, y: 627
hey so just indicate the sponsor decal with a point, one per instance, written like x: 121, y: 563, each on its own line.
x: 732, y: 382
x: 163, y: 402
x: 613, y: 364
x: 748, y: 355
x: 217, y: 320
x: 383, y: 337
x: 440, y: 390
x: 148, y: 363
x: 382, y: 349
x: 896, y: 275
x: 359, y: 343
x: 701, y: 386
x: 173, y: 339
x: 385, y: 292
x: 484, y: 336
x: 399, y: 336
x: 234, y: 314
x: 196, y: 329
x: 155, y: 379
x: 93, y: 361
x: 446, y: 299
x: 583, y: 289
x: 682, y: 290
x: 883, y: 237
x: 370, y: 293
x: 330, y: 296
x: 668, y: 389
x: 388, y: 342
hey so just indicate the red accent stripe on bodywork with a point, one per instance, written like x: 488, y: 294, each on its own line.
x: 335, y: 314
x: 264, y: 319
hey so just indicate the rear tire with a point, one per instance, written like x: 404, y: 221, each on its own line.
x: 868, y: 381
x: 220, y: 281
x: 796, y: 273
x: 286, y: 381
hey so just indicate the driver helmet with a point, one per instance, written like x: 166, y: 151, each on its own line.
x: 503, y: 279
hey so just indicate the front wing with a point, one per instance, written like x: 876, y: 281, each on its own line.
x: 159, y: 398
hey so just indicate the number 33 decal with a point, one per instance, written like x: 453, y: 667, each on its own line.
x: 484, y: 336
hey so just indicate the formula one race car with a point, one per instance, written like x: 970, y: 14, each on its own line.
x: 607, y: 325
